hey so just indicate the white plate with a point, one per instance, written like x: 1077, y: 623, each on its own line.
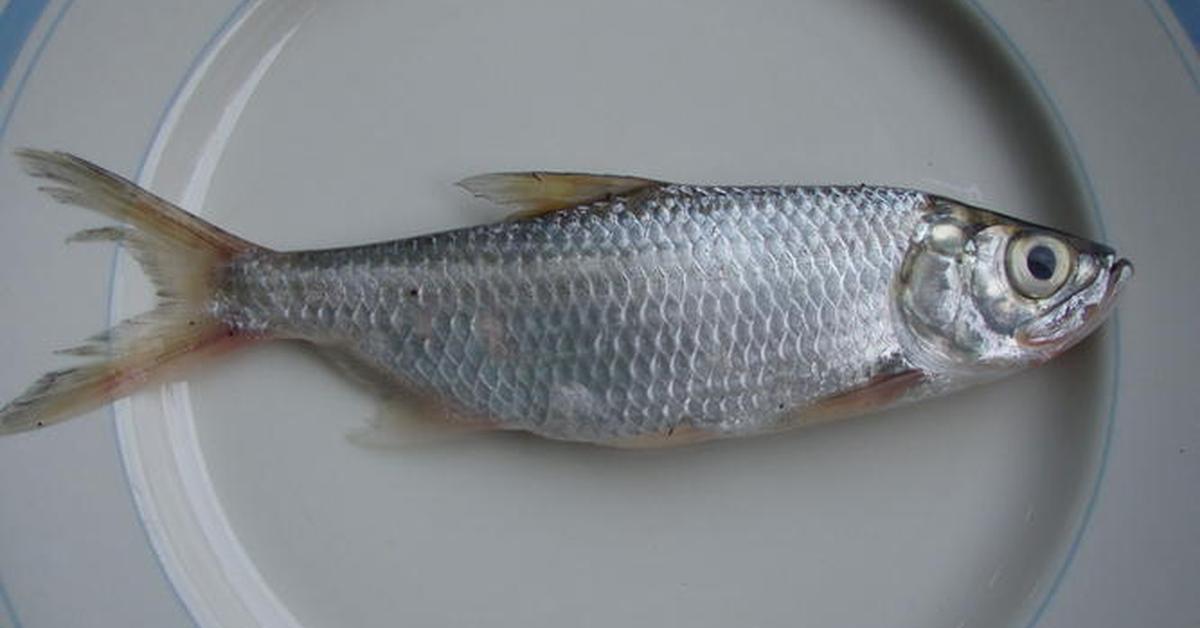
x: 951, y: 513
x: 301, y: 125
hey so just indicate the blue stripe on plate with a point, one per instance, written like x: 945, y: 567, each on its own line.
x: 18, y: 45
x: 10, y: 614
x: 1188, y: 14
x: 16, y: 22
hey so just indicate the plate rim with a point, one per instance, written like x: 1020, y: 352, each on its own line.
x: 1010, y: 48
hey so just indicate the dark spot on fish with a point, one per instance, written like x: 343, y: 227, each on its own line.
x: 412, y: 292
x: 781, y: 406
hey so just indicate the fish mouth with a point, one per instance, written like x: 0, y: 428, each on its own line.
x: 1079, y: 315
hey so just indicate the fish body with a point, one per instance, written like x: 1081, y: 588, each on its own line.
x: 719, y: 309
x: 626, y: 311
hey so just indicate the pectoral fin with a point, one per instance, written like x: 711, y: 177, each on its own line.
x: 881, y: 391
x: 533, y: 194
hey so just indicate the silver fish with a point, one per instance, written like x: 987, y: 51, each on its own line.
x: 612, y: 310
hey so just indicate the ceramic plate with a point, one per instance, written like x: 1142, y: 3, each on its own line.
x: 306, y: 124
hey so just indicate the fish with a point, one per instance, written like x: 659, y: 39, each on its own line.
x: 612, y: 310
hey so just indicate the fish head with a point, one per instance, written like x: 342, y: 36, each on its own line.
x: 986, y: 294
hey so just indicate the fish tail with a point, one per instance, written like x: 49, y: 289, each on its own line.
x: 183, y: 256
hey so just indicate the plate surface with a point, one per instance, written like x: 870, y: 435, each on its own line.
x: 358, y: 118
x: 302, y: 124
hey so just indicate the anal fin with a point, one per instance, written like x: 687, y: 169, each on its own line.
x: 402, y: 422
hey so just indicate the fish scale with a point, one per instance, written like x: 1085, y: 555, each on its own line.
x: 717, y: 308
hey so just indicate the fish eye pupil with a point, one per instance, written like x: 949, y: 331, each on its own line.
x: 1041, y: 262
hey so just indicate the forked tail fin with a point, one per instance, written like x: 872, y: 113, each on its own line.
x: 182, y: 254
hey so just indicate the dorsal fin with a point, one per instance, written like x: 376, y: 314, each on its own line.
x: 533, y: 194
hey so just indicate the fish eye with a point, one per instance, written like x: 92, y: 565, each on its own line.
x: 1038, y: 265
